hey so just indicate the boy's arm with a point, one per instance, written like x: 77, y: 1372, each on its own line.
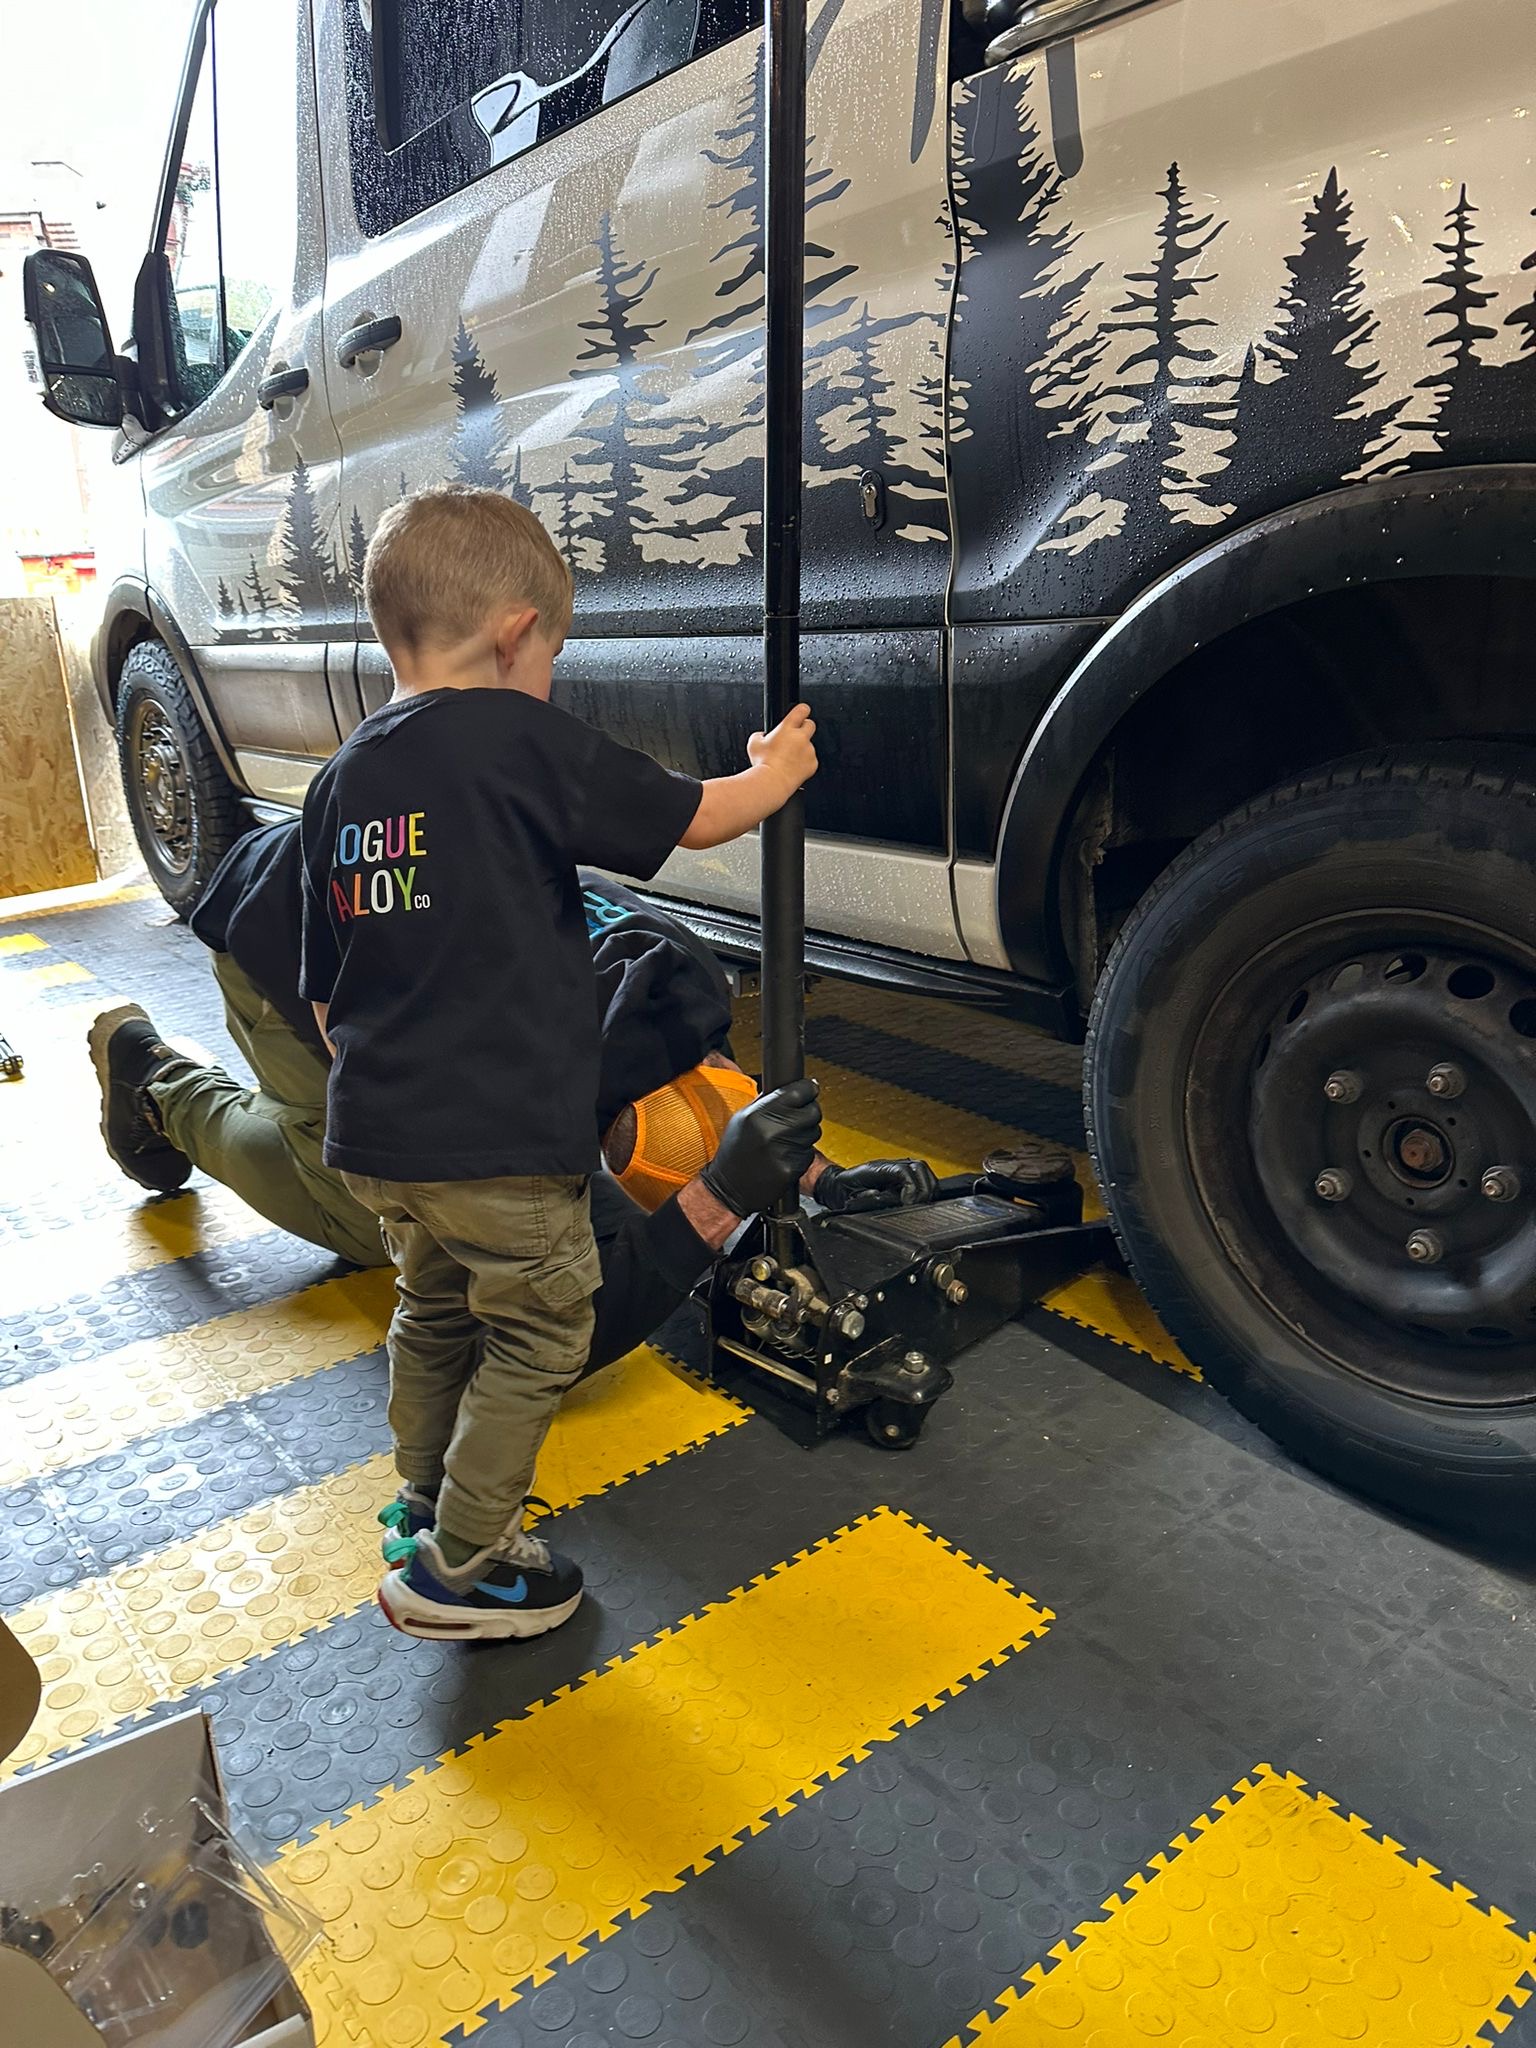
x: 782, y: 761
x: 322, y: 1018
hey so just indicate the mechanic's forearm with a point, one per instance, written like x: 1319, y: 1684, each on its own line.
x: 712, y: 1221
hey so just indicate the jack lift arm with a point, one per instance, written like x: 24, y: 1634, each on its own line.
x: 855, y: 1313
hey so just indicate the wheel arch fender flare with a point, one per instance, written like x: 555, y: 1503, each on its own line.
x: 130, y: 596
x: 1445, y: 522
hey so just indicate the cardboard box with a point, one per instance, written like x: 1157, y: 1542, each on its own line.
x: 91, y: 1810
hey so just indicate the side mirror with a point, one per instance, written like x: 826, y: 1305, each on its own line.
x: 74, y: 343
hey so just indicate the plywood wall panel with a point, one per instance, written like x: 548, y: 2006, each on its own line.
x: 95, y: 741
x: 45, y: 839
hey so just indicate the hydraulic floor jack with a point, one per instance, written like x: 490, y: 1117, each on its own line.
x: 850, y: 1314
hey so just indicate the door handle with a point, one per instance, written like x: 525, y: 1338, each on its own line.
x: 1040, y: 21
x: 367, y: 340
x: 281, y: 384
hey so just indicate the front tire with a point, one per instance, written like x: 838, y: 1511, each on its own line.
x: 1311, y: 1100
x: 186, y: 812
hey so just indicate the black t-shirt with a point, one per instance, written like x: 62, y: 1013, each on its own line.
x: 443, y: 923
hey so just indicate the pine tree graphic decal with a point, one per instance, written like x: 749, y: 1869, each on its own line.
x: 476, y: 402
x: 720, y: 464
x: 301, y: 597
x: 1483, y: 411
x: 614, y: 423
x: 1023, y: 347
x: 516, y: 488
x: 852, y: 404
x: 260, y: 608
x: 1166, y: 389
x: 1317, y: 364
x: 226, y: 603
x: 357, y: 549
x: 1524, y: 318
x: 742, y: 259
x: 571, y: 519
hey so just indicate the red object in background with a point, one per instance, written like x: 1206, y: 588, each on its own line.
x: 46, y: 574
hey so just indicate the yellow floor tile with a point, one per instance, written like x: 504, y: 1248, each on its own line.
x: 482, y: 1871
x: 85, y: 1411
x: 53, y: 974
x: 83, y: 1258
x: 177, y: 1620
x: 1281, y: 1920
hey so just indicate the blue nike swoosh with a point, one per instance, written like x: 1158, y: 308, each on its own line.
x: 516, y: 1595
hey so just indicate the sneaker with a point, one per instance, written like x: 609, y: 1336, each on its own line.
x: 411, y: 1513
x: 516, y: 1588
x: 128, y: 1053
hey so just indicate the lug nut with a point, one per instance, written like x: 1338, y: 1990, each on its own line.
x: 1344, y: 1086
x: 1445, y: 1080
x: 1425, y: 1247
x: 1500, y: 1184
x: 1333, y: 1184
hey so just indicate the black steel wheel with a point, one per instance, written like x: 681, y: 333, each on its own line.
x: 1312, y: 1102
x: 186, y: 812
x: 894, y: 1425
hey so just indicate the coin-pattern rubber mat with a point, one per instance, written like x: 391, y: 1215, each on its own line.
x: 1088, y: 1720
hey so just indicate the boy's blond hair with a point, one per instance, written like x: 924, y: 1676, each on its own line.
x: 441, y: 562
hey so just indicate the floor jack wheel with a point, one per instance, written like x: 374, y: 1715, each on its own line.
x: 894, y: 1425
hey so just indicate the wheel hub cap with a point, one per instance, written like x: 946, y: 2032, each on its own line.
x: 1393, y: 1132
x: 165, y: 786
x: 1419, y: 1154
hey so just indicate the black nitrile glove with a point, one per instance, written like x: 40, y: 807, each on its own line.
x: 765, y: 1148
x: 881, y: 1184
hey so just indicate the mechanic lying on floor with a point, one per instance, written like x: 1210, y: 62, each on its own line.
x: 670, y: 1098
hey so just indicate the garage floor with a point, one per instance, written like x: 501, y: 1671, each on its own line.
x: 1090, y: 1720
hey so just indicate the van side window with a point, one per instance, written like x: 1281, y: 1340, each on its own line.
x: 229, y: 237
x: 430, y: 108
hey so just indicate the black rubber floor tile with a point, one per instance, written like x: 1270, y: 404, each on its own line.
x: 894, y: 1904
x: 159, y: 1299
x: 167, y: 1486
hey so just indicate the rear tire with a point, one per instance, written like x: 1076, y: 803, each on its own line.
x: 1263, y: 1123
x: 186, y: 812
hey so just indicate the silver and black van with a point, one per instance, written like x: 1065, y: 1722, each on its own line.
x: 1170, y: 559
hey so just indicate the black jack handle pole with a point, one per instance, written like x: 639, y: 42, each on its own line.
x: 782, y: 839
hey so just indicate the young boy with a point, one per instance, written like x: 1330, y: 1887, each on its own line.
x: 446, y: 955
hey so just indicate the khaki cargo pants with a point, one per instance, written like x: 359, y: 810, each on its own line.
x: 266, y: 1144
x: 493, y: 1321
